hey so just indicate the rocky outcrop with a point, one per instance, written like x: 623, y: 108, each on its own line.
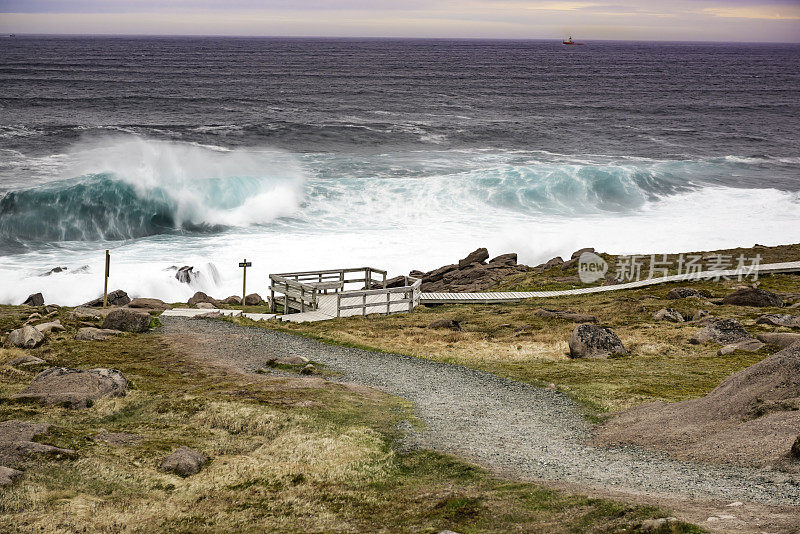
x: 149, y: 304
x: 95, y: 334
x: 779, y: 339
x: 566, y: 315
x: 233, y: 299
x: 127, y: 320
x: 34, y: 300
x: 477, y: 256
x: 16, y: 443
x: 74, y: 388
x: 448, y: 324
x: 184, y: 462
x: 725, y: 331
x: 592, y: 341
x: 753, y: 297
x: 26, y: 360
x: 682, y: 293
x: 668, y: 314
x: 253, y: 299
x: 8, y: 475
x: 780, y: 319
x: 46, y: 328
x: 202, y: 297
x: 185, y: 274
x: 471, y: 273
x: 26, y: 337
x: 115, y: 298
x: 748, y: 345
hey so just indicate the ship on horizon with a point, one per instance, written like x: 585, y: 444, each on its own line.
x: 569, y: 41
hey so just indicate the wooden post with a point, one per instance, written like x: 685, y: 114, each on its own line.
x: 388, y: 300
x: 384, y: 280
x: 363, y: 304
x: 105, y: 284
x: 244, y: 265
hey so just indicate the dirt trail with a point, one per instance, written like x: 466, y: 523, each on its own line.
x: 528, y: 432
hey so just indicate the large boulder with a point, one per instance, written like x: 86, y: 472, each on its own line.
x: 95, y: 334
x: 577, y: 253
x: 567, y: 315
x: 753, y: 297
x: 253, y: 299
x: 16, y: 442
x: 668, y: 314
x: 149, y: 304
x: 184, y: 462
x: 509, y: 259
x: 779, y: 339
x: 34, y: 300
x: 682, y: 293
x: 74, y: 388
x: 725, y: 331
x: 127, y: 320
x: 437, y: 274
x: 201, y: 297
x: 748, y: 345
x: 46, y: 328
x: 115, y: 298
x: 477, y: 256
x: 26, y: 337
x: 233, y: 299
x: 186, y: 274
x: 780, y: 319
x: 593, y: 341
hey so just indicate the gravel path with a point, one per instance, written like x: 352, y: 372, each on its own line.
x: 501, y: 424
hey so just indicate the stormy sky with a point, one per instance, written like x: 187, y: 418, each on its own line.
x: 694, y: 20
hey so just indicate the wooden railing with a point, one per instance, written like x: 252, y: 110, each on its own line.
x: 410, y: 298
x: 300, y: 290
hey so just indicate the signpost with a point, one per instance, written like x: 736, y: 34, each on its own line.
x: 105, y: 285
x: 244, y: 265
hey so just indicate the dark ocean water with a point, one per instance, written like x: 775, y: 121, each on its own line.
x: 179, y: 149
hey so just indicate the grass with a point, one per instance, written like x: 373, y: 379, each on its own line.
x: 511, y: 341
x: 284, y: 458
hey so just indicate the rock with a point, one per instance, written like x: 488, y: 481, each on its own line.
x: 95, y: 334
x: 149, y: 304
x: 795, y: 450
x: 26, y: 337
x: 668, y: 314
x: 552, y: 262
x: 662, y: 524
x: 288, y: 360
x: 569, y: 264
x: 54, y: 270
x: 253, y: 299
x: 34, y: 300
x: 566, y: 314
x: 86, y: 313
x: 46, y: 328
x: 450, y: 324
x: 725, y: 331
x: 780, y: 319
x: 309, y: 369
x: 74, y: 388
x: 185, y: 274
x: 438, y: 274
x: 699, y: 314
x: 16, y: 442
x: 233, y: 299
x: 477, y: 256
x: 204, y: 306
x: 779, y: 339
x: 592, y: 341
x: 127, y: 320
x: 184, y: 462
x: 115, y: 298
x: 34, y: 316
x: 748, y: 345
x: 25, y: 360
x: 201, y: 297
x: 753, y: 297
x: 577, y: 253
x: 682, y: 293
x: 504, y: 259
x: 8, y: 475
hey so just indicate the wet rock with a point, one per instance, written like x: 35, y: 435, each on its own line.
x: 753, y: 297
x: 95, y: 334
x: 46, y: 328
x: 725, y: 331
x: 477, y: 256
x: 592, y: 341
x: 668, y: 314
x: 748, y: 345
x: 74, y: 388
x: 127, y: 320
x: 779, y: 339
x: 780, y: 319
x: 450, y: 324
x: 201, y: 297
x: 567, y: 315
x: 8, y: 475
x: 253, y: 299
x: 149, y: 304
x: 682, y: 293
x: 184, y: 462
x: 233, y: 299
x: 26, y: 337
x: 115, y: 298
x: 54, y: 270
x: 26, y: 360
x: 34, y: 300
x: 185, y: 274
